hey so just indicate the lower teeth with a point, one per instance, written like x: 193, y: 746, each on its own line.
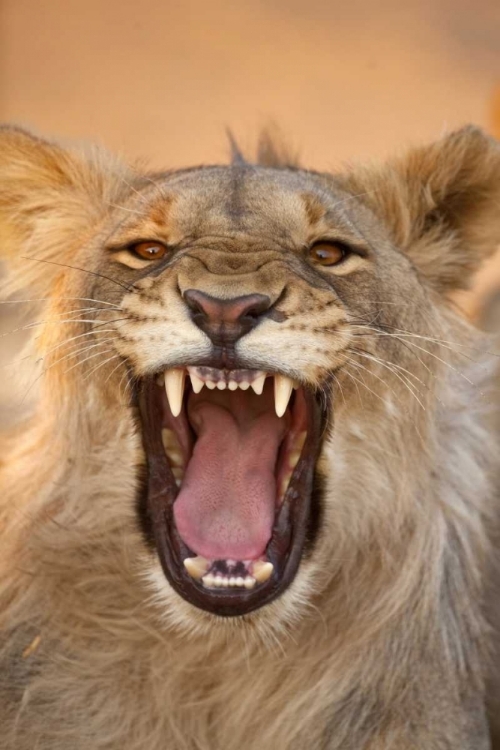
x: 210, y: 581
x: 206, y: 570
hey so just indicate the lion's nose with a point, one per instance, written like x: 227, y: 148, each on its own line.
x: 226, y: 320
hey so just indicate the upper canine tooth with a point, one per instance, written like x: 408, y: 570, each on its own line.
x: 174, y: 387
x: 258, y: 384
x: 283, y: 387
x: 196, y: 382
x: 196, y: 566
x: 261, y: 570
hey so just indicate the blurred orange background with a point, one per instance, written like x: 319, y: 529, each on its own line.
x: 160, y: 79
x: 163, y: 80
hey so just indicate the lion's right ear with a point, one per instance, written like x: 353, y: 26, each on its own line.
x: 440, y: 204
x: 49, y: 199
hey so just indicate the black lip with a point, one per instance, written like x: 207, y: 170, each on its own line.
x: 289, y: 533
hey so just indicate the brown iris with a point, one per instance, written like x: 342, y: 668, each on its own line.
x: 149, y: 250
x: 328, y: 253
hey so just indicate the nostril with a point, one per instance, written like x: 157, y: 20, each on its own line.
x: 193, y: 301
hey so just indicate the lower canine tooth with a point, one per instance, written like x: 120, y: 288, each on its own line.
x: 293, y: 459
x: 284, y: 485
x: 169, y: 439
x: 196, y: 567
x: 261, y: 570
x: 299, y: 441
x: 175, y: 457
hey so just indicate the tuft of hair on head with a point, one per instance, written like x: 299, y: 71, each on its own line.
x: 274, y: 151
x: 237, y: 156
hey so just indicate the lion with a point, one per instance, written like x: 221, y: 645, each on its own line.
x: 252, y: 502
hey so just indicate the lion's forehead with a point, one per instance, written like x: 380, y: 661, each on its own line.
x: 284, y: 204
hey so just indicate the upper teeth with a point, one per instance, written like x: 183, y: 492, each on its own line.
x: 283, y: 387
x: 175, y: 380
x: 174, y: 387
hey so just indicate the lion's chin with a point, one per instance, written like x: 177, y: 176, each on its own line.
x: 230, y: 501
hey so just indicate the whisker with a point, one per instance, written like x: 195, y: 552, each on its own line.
x: 92, y: 356
x: 29, y: 326
x: 408, y: 386
x: 50, y: 299
x: 101, y: 364
x: 432, y: 354
x: 67, y: 341
x: 131, y: 288
x: 124, y: 208
x: 156, y: 185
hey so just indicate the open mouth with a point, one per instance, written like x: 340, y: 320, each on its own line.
x: 231, y: 456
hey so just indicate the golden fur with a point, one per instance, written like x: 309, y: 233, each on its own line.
x: 381, y: 641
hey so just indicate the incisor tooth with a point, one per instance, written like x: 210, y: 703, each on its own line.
x: 283, y: 388
x: 196, y: 566
x: 208, y: 580
x: 221, y: 385
x: 196, y: 382
x: 232, y: 385
x: 261, y: 570
x: 244, y: 385
x: 210, y: 384
x: 258, y: 384
x: 249, y: 582
x: 174, y: 387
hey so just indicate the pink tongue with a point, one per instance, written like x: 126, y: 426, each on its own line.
x: 226, y: 506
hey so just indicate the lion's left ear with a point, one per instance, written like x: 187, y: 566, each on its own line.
x: 441, y: 204
x: 50, y: 197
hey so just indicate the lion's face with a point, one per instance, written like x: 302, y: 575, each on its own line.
x: 280, y: 332
x: 242, y: 295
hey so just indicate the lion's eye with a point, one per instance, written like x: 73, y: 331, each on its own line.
x: 328, y: 253
x: 149, y: 250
